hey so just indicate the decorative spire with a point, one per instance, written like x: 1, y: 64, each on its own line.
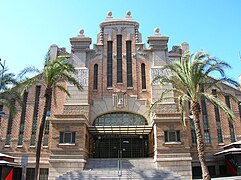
x: 101, y: 36
x: 136, y: 34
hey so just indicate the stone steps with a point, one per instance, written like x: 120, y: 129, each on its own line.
x: 127, y: 163
x: 143, y: 168
x: 126, y: 174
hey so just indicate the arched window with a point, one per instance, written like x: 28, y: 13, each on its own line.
x: 22, y: 119
x: 120, y: 119
x: 35, y: 115
x: 231, y: 125
x: 143, y: 75
x: 217, y: 117
x: 95, y: 85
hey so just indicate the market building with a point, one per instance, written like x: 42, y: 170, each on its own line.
x: 110, y: 117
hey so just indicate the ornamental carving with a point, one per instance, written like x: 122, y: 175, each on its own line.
x: 74, y: 109
x: 166, y: 108
x: 119, y: 100
x: 136, y: 35
x: 94, y: 55
x: 142, y: 54
x: 159, y: 72
x: 82, y: 76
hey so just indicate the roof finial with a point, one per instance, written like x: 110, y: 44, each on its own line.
x: 156, y: 30
x: 81, y: 32
x: 109, y: 14
x: 128, y: 14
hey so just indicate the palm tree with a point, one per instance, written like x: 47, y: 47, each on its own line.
x: 53, y: 73
x: 191, y: 82
x: 8, y: 93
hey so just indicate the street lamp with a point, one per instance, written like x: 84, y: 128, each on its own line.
x: 3, y: 67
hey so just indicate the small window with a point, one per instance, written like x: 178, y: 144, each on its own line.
x: 95, y: 77
x: 67, y: 138
x: 143, y: 75
x: 44, y: 173
x: 46, y: 133
x: 172, y: 136
x: 30, y: 173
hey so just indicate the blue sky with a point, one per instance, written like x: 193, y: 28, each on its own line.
x: 28, y: 28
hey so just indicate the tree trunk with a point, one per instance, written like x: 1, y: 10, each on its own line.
x: 196, y: 110
x: 47, y: 95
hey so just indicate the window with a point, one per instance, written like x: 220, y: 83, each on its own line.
x: 67, y: 138
x: 143, y: 75
x: 17, y: 173
x: 35, y: 115
x: 1, y: 113
x: 86, y: 141
x: 239, y: 108
x: 22, y: 121
x: 172, y: 136
x: 231, y: 126
x: 129, y: 64
x: 30, y: 173
x: 119, y: 58
x: 212, y: 171
x: 95, y: 85
x: 46, y: 133
x: 109, y: 63
x: 207, y: 137
x: 10, y: 123
x: 193, y: 132
x: 217, y: 116
x: 43, y: 174
x: 120, y: 119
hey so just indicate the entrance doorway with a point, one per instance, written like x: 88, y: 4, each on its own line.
x: 125, y: 146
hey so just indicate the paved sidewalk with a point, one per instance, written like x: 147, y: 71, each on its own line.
x: 226, y: 178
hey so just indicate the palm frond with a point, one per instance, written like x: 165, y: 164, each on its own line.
x: 215, y: 101
x: 161, y: 99
x: 182, y: 101
x: 63, y: 89
x: 27, y: 70
x: 234, y: 98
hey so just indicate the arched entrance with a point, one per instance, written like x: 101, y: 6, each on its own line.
x: 120, y: 133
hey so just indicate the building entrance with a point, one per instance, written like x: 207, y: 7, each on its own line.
x: 125, y: 146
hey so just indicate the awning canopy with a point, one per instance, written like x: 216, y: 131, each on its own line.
x: 7, y: 160
x: 5, y: 156
x: 233, y: 148
x: 229, y: 151
x: 120, y: 129
x: 7, y: 163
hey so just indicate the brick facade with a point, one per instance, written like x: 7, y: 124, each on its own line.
x: 78, y: 112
